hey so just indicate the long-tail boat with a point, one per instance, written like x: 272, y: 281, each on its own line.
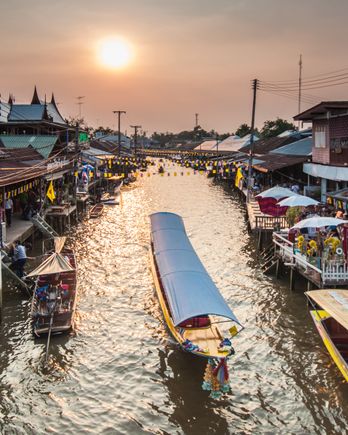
x: 192, y: 305
x: 330, y: 316
x: 55, y: 294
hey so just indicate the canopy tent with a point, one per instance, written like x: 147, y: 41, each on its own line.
x: 297, y: 201
x: 335, y: 302
x: 55, y: 263
x: 319, y: 222
x: 189, y: 289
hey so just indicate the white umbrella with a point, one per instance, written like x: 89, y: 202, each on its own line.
x: 319, y: 221
x: 297, y: 201
x: 276, y: 192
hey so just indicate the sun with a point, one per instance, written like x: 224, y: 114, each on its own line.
x: 114, y: 53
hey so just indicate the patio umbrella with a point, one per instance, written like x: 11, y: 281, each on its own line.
x: 269, y: 198
x: 319, y: 222
x: 297, y: 201
x: 276, y: 192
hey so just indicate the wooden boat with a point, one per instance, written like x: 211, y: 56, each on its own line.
x: 192, y: 305
x: 108, y: 199
x: 331, y: 321
x: 55, y: 295
x: 96, y: 211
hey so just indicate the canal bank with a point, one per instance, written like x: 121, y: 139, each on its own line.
x: 121, y: 368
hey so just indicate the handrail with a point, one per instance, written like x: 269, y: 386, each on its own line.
x: 283, y: 239
x: 296, y: 258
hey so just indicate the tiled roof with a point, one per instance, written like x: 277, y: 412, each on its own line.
x: 42, y: 144
x: 26, y: 112
x: 4, y: 111
x: 35, y: 112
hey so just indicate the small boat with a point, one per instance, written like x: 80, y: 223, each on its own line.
x: 108, y: 199
x: 55, y: 294
x: 331, y: 321
x: 96, y: 211
x: 192, y: 305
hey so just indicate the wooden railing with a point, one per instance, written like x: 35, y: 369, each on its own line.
x: 270, y: 223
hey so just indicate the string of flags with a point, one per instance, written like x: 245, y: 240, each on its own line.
x: 22, y: 189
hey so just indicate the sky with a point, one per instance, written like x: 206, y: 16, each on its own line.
x: 189, y: 56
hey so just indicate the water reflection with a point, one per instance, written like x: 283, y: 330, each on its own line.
x: 121, y: 373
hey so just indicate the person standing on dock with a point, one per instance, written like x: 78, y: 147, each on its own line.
x: 9, y: 211
x: 19, y: 258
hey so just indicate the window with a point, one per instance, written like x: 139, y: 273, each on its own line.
x: 320, y: 137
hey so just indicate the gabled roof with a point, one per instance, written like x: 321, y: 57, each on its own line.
x: 322, y: 109
x: 42, y: 144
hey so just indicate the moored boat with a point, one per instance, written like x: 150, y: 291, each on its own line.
x: 55, y: 294
x: 192, y: 306
x: 96, y: 211
x: 331, y: 321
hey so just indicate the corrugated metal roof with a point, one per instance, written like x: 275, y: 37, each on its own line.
x: 302, y: 147
x: 272, y: 162
x: 42, y: 144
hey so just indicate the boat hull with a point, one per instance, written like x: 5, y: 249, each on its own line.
x: 319, y: 317
x: 208, y: 338
x: 63, y: 315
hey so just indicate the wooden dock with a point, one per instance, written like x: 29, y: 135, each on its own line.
x: 259, y: 221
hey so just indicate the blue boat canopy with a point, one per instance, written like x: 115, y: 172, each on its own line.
x: 189, y: 289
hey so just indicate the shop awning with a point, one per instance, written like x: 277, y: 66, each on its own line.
x: 335, y: 173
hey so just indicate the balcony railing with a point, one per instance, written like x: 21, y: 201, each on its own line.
x: 328, y: 272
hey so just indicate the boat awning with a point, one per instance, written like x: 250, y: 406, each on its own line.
x: 55, y: 263
x: 189, y: 289
x: 334, y: 301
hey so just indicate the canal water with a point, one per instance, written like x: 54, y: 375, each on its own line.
x: 120, y: 373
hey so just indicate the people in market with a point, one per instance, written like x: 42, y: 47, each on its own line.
x: 9, y: 211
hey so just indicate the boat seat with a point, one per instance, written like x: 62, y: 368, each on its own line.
x: 196, y: 322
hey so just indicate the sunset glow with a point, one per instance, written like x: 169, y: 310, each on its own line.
x: 114, y: 53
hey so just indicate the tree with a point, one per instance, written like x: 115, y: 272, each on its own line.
x: 274, y: 128
x: 243, y: 130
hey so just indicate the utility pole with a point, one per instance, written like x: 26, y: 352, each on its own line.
x: 80, y: 102
x: 299, y: 88
x: 251, y: 152
x: 119, y: 113
x: 136, y: 127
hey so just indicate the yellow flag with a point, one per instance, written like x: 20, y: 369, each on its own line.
x: 239, y: 177
x: 50, y: 192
